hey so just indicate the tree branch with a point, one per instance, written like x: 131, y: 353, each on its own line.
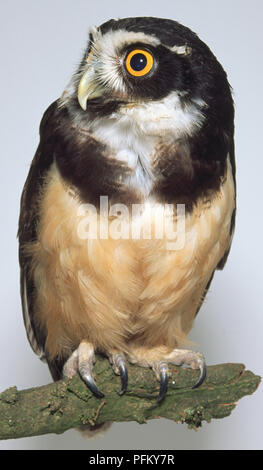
x: 66, y: 404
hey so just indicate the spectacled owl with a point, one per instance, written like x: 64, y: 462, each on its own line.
x: 147, y: 121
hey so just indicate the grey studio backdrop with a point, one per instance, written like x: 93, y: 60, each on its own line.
x: 41, y: 44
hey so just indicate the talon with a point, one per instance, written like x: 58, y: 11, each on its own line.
x: 163, y: 372
x: 202, y: 375
x: 124, y: 378
x: 119, y: 367
x: 86, y: 361
x: 89, y: 381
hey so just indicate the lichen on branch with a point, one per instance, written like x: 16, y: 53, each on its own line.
x: 66, y: 404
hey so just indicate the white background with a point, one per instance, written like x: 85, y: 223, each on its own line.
x: 41, y: 44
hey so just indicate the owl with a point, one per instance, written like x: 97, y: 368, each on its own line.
x: 129, y: 205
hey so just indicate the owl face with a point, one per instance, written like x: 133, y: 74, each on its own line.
x: 131, y: 66
x: 136, y: 60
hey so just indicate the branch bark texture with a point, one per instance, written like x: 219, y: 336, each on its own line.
x: 67, y: 404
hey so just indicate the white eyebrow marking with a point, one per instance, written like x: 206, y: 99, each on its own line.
x: 181, y: 50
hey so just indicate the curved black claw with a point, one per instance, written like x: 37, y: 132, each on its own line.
x: 163, y: 383
x: 89, y: 381
x: 202, y: 375
x: 124, y: 377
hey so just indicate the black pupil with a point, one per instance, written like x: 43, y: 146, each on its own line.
x: 138, y: 62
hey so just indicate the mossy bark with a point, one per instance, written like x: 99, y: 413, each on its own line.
x: 66, y: 404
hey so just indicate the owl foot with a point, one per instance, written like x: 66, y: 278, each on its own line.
x: 82, y: 360
x: 178, y: 357
x: 158, y: 360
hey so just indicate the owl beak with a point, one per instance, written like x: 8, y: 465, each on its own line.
x: 88, y: 88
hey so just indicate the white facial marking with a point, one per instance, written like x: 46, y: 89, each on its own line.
x: 112, y: 40
x: 106, y: 61
x: 181, y: 50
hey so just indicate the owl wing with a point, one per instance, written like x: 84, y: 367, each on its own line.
x: 28, y: 221
x: 223, y: 260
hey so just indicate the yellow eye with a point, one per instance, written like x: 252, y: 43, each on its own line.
x: 139, y: 62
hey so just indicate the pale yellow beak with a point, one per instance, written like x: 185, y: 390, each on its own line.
x: 88, y: 88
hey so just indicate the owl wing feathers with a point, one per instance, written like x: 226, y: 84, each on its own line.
x: 28, y: 221
x: 223, y: 260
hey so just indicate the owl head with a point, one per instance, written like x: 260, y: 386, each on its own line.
x: 132, y: 61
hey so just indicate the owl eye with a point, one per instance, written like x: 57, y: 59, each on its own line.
x: 139, y: 62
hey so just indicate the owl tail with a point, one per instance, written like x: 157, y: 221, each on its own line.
x: 92, y: 432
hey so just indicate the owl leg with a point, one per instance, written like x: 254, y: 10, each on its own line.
x: 82, y: 360
x: 158, y: 360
